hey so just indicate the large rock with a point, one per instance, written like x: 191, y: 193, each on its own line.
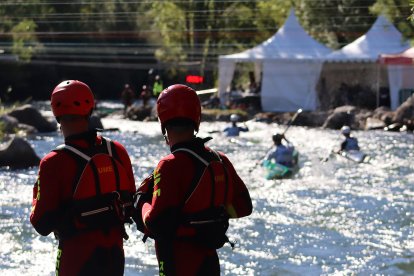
x: 139, y: 113
x: 18, y: 154
x: 345, y: 109
x: 9, y: 123
x: 312, y: 119
x: 384, y: 114
x: 373, y: 123
x: 29, y: 115
x: 95, y: 122
x: 405, y: 112
x: 341, y: 116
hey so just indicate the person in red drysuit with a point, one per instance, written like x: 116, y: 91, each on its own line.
x: 191, y: 192
x: 83, y: 249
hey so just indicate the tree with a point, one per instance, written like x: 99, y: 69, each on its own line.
x: 18, y: 26
x: 398, y: 12
x: 336, y: 23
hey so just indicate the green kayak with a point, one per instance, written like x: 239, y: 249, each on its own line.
x: 276, y: 171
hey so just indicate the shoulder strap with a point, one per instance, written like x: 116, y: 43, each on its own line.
x: 110, y: 146
x: 202, y: 160
x: 74, y: 150
x: 80, y: 159
x: 110, y: 150
x: 199, y: 172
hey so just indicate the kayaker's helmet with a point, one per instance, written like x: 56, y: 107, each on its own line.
x: 234, y: 118
x: 178, y: 101
x: 346, y: 130
x: 277, y: 138
x: 72, y: 97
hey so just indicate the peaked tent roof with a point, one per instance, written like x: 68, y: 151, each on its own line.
x: 404, y: 58
x: 290, y: 42
x: 382, y: 37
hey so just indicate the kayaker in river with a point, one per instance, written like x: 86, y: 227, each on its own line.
x: 186, y: 203
x: 234, y: 129
x: 280, y: 153
x: 350, y: 143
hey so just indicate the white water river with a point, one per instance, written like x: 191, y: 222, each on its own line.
x: 333, y: 218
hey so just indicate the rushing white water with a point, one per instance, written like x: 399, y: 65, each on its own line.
x: 332, y: 218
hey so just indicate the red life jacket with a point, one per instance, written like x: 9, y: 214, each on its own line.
x: 209, y: 217
x: 101, y: 197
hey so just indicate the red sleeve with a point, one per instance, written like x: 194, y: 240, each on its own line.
x: 126, y: 162
x: 240, y: 203
x: 47, y: 197
x: 169, y: 178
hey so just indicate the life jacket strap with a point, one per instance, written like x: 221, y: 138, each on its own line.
x: 74, y: 150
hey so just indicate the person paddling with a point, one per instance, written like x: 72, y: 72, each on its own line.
x: 350, y: 143
x: 281, y: 153
x: 186, y: 203
x: 84, y: 190
x: 234, y: 129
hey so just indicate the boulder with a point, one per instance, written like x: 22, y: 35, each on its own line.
x: 338, y: 119
x: 138, y: 113
x: 9, y: 123
x: 18, y: 154
x: 384, y: 114
x: 345, y: 109
x: 312, y: 119
x: 29, y: 115
x: 405, y: 111
x: 381, y: 110
x: 394, y: 127
x: 373, y: 123
x: 95, y: 122
x: 26, y: 129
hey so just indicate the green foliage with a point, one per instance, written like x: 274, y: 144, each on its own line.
x: 179, y: 33
x: 2, y: 131
x: 25, y: 43
x: 397, y: 11
x: 336, y: 23
x: 412, y: 10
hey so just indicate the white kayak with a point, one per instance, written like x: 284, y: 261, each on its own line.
x: 354, y: 155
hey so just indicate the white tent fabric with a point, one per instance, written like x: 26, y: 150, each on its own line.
x: 399, y: 77
x: 400, y: 73
x: 382, y: 37
x: 291, y: 61
x: 298, y: 93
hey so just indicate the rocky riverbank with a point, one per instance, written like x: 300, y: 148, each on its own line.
x: 402, y: 119
x: 21, y: 121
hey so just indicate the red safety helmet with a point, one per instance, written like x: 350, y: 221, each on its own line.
x: 179, y: 101
x: 72, y: 97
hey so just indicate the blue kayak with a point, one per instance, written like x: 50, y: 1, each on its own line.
x: 276, y: 171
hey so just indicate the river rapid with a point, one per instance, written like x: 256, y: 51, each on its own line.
x: 331, y: 218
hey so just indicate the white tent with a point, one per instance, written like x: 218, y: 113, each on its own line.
x: 381, y: 38
x: 290, y: 60
x: 400, y: 74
